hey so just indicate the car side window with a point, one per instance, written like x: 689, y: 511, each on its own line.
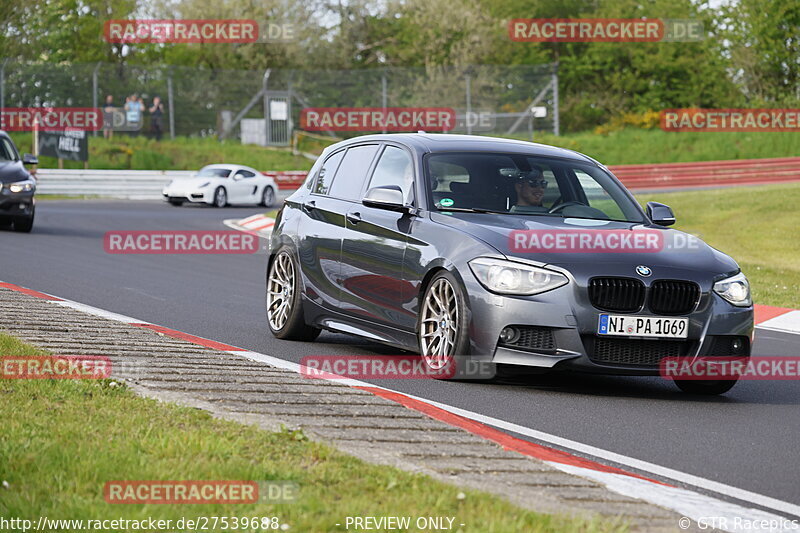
x: 7, y: 152
x: 352, y: 172
x: 327, y: 172
x: 246, y: 173
x: 395, y: 167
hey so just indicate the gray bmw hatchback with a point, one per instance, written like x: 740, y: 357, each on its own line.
x: 502, y: 253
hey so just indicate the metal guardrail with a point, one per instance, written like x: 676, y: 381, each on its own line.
x: 131, y: 184
x: 128, y: 184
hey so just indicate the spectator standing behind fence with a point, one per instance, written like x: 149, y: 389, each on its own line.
x: 133, y: 113
x: 108, y: 117
x: 156, y: 114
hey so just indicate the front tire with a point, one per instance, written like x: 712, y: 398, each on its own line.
x: 268, y: 197
x: 284, y: 303
x: 443, y: 327
x: 24, y: 224
x: 220, y: 197
x: 705, y: 387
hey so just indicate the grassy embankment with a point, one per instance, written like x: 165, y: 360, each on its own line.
x: 63, y: 439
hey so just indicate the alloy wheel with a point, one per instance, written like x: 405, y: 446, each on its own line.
x: 280, y: 291
x: 439, y: 324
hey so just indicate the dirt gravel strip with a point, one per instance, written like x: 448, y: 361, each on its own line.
x: 371, y: 426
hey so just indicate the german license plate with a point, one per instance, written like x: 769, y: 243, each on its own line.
x: 643, y: 326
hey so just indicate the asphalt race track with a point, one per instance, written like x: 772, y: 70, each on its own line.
x: 747, y: 438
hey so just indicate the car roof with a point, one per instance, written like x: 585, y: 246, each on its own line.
x: 230, y: 166
x: 447, y: 142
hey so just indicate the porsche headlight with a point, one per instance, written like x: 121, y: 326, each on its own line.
x: 508, y: 277
x: 735, y: 289
x: 206, y: 184
x: 22, y: 186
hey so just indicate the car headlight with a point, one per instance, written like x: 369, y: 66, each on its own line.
x: 206, y: 184
x: 22, y: 186
x: 507, y: 277
x: 735, y: 289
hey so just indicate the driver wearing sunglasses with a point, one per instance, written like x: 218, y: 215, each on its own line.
x: 530, y: 188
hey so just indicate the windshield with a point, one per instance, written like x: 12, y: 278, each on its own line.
x: 213, y: 172
x: 526, y: 186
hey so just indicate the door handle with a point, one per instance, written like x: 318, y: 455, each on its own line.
x: 309, y: 206
x: 353, y: 218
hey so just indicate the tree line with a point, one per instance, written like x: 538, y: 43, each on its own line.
x: 750, y: 56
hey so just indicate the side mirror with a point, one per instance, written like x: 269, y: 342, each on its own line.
x: 660, y: 214
x: 385, y: 197
x: 29, y: 159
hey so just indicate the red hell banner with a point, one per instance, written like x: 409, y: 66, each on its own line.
x: 586, y: 30
x: 377, y: 118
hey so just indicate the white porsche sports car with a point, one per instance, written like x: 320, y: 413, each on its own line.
x: 221, y: 185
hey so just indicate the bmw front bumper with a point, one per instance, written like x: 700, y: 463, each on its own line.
x: 561, y: 328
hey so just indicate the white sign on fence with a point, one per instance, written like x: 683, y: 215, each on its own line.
x: 254, y: 131
x: 278, y: 110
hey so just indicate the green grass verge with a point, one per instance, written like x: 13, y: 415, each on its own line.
x: 757, y: 226
x: 63, y: 439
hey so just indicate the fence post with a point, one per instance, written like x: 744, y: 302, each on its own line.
x: 556, y: 119
x: 383, y: 95
x: 3, y: 84
x: 94, y: 90
x: 265, y: 84
x: 170, y: 106
x: 468, y: 79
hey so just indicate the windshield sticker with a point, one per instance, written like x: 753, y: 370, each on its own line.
x: 446, y: 202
